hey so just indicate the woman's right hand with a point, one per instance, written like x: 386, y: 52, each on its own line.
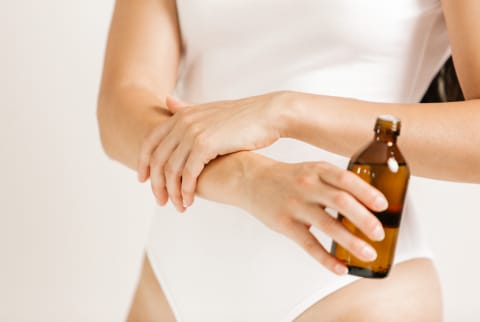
x: 291, y: 197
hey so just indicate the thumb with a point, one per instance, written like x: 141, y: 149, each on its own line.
x: 174, y: 104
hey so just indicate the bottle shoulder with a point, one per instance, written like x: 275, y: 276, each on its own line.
x: 377, y: 152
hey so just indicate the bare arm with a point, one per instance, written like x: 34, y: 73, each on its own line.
x: 440, y: 140
x: 140, y: 69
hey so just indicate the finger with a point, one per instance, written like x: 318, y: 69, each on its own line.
x: 157, y: 168
x: 173, y: 174
x: 348, y: 181
x: 173, y: 104
x: 317, y: 217
x: 157, y: 183
x: 300, y: 234
x: 150, y: 143
x: 195, y: 163
x: 173, y: 184
x: 347, y: 201
x: 351, y: 208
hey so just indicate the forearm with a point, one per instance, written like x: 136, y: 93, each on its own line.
x: 124, y: 120
x: 225, y: 178
x: 439, y: 140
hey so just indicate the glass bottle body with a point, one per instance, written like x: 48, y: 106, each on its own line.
x: 382, y: 165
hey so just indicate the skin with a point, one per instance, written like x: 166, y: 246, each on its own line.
x: 143, y: 132
x: 414, y: 277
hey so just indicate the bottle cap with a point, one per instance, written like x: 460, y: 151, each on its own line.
x: 388, y: 122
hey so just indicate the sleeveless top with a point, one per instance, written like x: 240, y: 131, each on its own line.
x: 375, y: 50
x: 217, y: 262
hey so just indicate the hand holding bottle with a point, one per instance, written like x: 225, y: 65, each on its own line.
x: 382, y: 165
x: 290, y: 198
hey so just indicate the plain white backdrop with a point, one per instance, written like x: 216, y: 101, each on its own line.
x: 73, y: 223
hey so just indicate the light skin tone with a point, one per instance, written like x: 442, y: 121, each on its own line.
x: 141, y: 131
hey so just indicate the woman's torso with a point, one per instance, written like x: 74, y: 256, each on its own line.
x: 216, y: 256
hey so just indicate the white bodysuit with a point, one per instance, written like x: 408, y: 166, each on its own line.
x: 217, y: 263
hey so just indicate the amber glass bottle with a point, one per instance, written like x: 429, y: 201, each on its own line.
x: 382, y: 165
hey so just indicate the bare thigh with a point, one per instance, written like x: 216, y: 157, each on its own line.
x: 149, y: 303
x: 411, y: 293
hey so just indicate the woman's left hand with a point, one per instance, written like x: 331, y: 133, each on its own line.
x: 174, y: 153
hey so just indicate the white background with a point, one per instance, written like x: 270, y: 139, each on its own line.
x: 73, y: 223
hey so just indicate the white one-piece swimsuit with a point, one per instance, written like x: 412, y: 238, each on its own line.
x: 217, y: 263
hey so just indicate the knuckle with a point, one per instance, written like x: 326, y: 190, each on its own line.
x: 176, y: 196
x: 187, y: 190
x: 310, y: 245
x: 170, y: 169
x: 321, y: 166
x: 194, y: 128
x: 187, y: 174
x: 155, y: 159
x: 283, y: 223
x: 142, y: 159
x: 186, y: 122
x: 309, y: 167
x: 345, y: 178
x: 304, y: 180
x: 148, y: 143
x: 341, y: 200
x: 161, y: 180
x: 185, y: 117
x: 158, y: 175
x: 327, y: 224
x: 329, y: 262
x: 202, y: 141
x: 291, y: 201
x: 147, y: 139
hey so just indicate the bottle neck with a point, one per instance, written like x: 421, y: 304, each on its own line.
x: 388, y: 137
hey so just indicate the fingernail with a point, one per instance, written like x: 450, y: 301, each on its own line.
x: 185, y: 201
x: 340, y: 269
x: 369, y: 253
x: 380, y: 203
x: 378, y: 233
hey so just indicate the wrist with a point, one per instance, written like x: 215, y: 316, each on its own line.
x: 289, y: 113
x: 252, y: 167
x: 306, y: 116
x: 229, y: 178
